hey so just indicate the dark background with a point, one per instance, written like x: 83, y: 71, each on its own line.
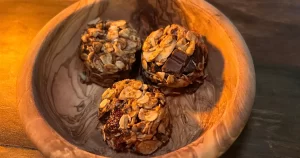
x: 271, y: 29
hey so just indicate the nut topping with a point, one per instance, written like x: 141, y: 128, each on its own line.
x: 108, y: 93
x: 132, y: 113
x: 130, y: 93
x: 108, y: 47
x: 123, y: 123
x: 104, y: 103
x: 143, y: 100
x: 174, y: 57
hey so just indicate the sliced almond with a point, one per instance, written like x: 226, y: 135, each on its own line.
x: 151, y: 103
x: 146, y: 46
x: 166, y: 52
x: 142, y: 114
x: 166, y: 30
x: 84, y: 38
x: 137, y: 84
x: 166, y: 41
x: 144, y: 87
x: 183, y: 47
x: 190, y: 50
x: 159, y: 63
x: 111, y: 68
x: 106, y: 58
x: 104, y: 103
x: 180, y: 42
x: 138, y: 94
x: 94, y: 32
x: 144, y: 99
x: 131, y: 45
x: 83, y: 56
x: 122, y: 42
x: 161, y: 75
x: 120, y: 65
x: 141, y: 125
x: 170, y: 79
x: 97, y: 46
x: 117, y: 48
x: 118, y: 23
x: 130, y: 93
x: 151, y: 115
x: 158, y: 109
x: 145, y: 130
x: 161, y: 115
x: 125, y: 33
x: 153, y: 48
x: 124, y: 120
x: 133, y: 113
x: 135, y: 106
x: 150, y: 56
x: 108, y: 93
x: 107, y: 48
x: 133, y: 120
x: 113, y: 33
x: 157, y: 34
x: 190, y: 36
x: 144, y: 64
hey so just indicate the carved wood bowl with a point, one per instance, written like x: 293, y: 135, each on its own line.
x: 60, y: 113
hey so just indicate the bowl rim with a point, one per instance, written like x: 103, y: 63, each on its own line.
x: 213, y: 143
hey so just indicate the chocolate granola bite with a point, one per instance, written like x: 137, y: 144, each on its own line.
x: 174, y: 57
x: 108, y: 50
x: 133, y: 117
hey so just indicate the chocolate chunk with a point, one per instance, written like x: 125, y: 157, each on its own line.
x: 197, y: 56
x: 195, y: 59
x: 179, y: 56
x: 175, y: 62
x: 190, y: 67
x: 172, y: 66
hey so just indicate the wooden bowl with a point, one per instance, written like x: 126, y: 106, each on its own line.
x: 60, y: 113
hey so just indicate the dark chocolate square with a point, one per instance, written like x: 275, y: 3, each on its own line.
x: 172, y: 66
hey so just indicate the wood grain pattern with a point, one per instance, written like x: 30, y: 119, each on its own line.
x: 51, y: 96
x: 21, y: 21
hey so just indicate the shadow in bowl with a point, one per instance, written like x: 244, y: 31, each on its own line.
x: 70, y: 107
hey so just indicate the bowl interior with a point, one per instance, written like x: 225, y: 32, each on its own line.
x: 70, y: 107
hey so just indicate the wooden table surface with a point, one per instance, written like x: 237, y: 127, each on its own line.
x: 271, y: 29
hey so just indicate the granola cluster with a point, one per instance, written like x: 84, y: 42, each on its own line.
x: 174, y: 57
x: 108, y: 49
x: 134, y: 117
